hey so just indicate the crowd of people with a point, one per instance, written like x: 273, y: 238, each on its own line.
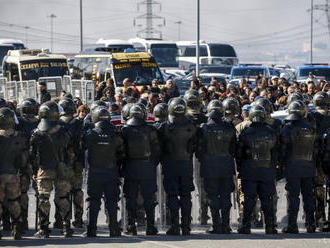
x: 227, y: 128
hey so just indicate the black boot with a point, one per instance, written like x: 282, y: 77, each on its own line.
x: 216, y: 227
x: 185, y: 224
x: 90, y: 232
x: 246, y: 224
x: 225, y: 225
x: 175, y: 228
x: 43, y: 231
x: 292, y: 226
x: 25, y: 224
x: 58, y: 224
x: 270, y: 225
x: 131, y: 226
x: 17, y: 230
x: 113, y: 225
x: 151, y: 229
x: 6, y: 224
x: 67, y: 231
x: 311, y: 225
x: 203, y: 214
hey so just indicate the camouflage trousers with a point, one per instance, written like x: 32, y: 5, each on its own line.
x: 10, y: 193
x: 24, y: 199
x: 320, y: 195
x: 78, y: 194
x: 46, y: 181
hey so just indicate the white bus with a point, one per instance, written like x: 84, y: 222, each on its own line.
x: 210, y: 54
x: 112, y: 45
x: 165, y: 52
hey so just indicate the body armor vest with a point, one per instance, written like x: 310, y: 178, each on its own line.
x: 302, y: 139
x: 138, y: 143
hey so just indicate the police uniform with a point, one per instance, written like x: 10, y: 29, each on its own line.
x: 257, y: 155
x: 27, y: 123
x: 105, y: 149
x: 48, y: 146
x: 13, y: 146
x: 142, y: 156
x: 178, y: 137
x: 298, y: 141
x: 216, y: 150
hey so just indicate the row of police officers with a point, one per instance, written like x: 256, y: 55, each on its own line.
x: 52, y: 151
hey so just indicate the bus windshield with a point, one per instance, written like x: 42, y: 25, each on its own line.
x: 191, y: 51
x: 166, y: 55
x: 247, y: 72
x: 34, y: 69
x: 140, y: 73
x: 323, y: 73
x: 3, y: 51
x: 222, y: 50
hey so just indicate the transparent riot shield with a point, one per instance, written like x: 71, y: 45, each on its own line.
x: 3, y: 82
x: 66, y: 83
x: 77, y: 89
x: 89, y: 91
x: 10, y: 91
x: 54, y: 85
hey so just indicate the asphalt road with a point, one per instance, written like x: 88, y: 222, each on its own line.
x: 198, y: 238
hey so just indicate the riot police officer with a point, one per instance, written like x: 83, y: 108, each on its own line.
x: 49, y: 156
x: 326, y: 168
x: 13, y: 146
x: 27, y: 123
x: 257, y: 156
x: 321, y: 102
x: 178, y: 137
x: 231, y: 109
x: 194, y: 106
x: 160, y: 113
x: 139, y: 171
x: 74, y: 127
x: 105, y: 151
x: 298, y: 141
x: 216, y: 150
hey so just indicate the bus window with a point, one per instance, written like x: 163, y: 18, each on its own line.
x: 34, y: 69
x: 191, y: 51
x: 222, y: 50
x: 166, y: 55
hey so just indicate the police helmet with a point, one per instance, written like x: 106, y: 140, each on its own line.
x: 321, y: 100
x: 215, y: 105
x: 35, y: 104
x: 49, y: 111
x: 266, y: 104
x: 297, y: 111
x: 257, y: 114
x: 177, y: 107
x: 125, y: 111
x: 7, y: 118
x: 100, y: 113
x: 136, y: 115
x: 160, y: 112
x: 192, y: 99
x: 231, y: 106
x: 295, y: 96
x: 26, y: 108
x: 68, y: 105
x: 98, y: 103
x: 144, y: 109
x: 3, y: 103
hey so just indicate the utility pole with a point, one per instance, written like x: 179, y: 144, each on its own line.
x: 81, y: 28
x: 324, y: 7
x: 26, y: 34
x: 312, y: 10
x: 198, y: 38
x: 149, y: 32
x: 52, y: 16
x: 179, y: 29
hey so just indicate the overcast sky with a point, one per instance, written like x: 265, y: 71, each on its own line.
x: 259, y: 29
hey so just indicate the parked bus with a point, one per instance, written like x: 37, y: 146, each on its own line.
x: 21, y: 65
x: 165, y: 52
x: 210, y: 54
x: 140, y: 67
